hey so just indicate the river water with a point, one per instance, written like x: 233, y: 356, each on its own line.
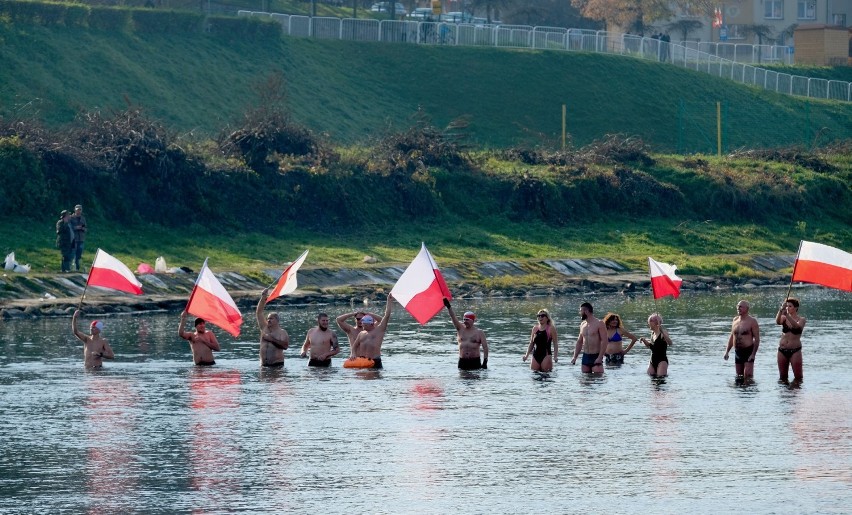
x: 151, y: 433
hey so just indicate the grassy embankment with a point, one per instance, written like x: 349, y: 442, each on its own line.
x: 487, y: 211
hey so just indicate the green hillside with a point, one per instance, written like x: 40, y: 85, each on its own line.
x: 352, y: 91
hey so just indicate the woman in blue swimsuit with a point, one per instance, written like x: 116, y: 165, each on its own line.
x: 660, y: 341
x: 790, y: 347
x: 542, y: 337
x: 615, y: 333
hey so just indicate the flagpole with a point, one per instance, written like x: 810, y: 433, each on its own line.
x: 83, y: 296
x: 434, y: 266
x: 795, y: 263
x: 195, y: 286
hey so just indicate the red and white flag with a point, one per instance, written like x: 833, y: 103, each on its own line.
x: 210, y: 301
x: 717, y: 18
x: 664, y: 281
x: 421, y: 288
x: 821, y: 264
x: 108, y: 272
x: 287, y: 282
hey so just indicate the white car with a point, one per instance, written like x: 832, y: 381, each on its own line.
x: 385, y: 7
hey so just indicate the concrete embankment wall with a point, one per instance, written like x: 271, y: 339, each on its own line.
x: 24, y: 295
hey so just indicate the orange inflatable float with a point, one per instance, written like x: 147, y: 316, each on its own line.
x: 358, y: 363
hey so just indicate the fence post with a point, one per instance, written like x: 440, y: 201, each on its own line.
x: 719, y: 129
x: 563, y: 125
x: 680, y: 124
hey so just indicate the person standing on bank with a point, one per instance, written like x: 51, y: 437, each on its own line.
x: 274, y: 340
x: 201, y: 341
x: 790, y: 347
x: 744, y: 339
x: 470, y: 340
x: 95, y: 347
x: 78, y: 223
x: 542, y: 337
x: 321, y: 343
x: 65, y: 239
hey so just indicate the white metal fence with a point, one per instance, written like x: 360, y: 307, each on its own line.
x: 728, y: 60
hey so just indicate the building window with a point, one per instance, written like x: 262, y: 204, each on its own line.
x: 806, y: 9
x: 773, y: 9
x: 735, y: 32
x: 838, y: 19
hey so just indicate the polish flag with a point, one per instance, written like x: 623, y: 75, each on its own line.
x: 717, y: 18
x: 421, y: 288
x: 108, y: 272
x: 210, y: 301
x: 664, y: 281
x: 287, y: 282
x: 821, y: 264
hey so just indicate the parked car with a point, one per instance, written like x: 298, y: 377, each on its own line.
x: 457, y: 17
x: 385, y: 7
x: 423, y: 14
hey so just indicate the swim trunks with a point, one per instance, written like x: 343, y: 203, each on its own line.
x: 377, y: 363
x: 469, y: 364
x: 788, y: 353
x: 205, y: 363
x: 319, y: 363
x: 614, y: 359
x: 742, y: 355
x: 589, y: 359
x: 274, y: 365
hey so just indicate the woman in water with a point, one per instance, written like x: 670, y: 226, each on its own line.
x: 542, y: 336
x: 790, y: 348
x: 615, y: 333
x: 660, y: 341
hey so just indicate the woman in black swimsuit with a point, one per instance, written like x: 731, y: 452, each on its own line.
x: 660, y: 341
x: 790, y: 348
x: 542, y: 336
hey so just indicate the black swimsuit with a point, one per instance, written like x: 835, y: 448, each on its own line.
x: 541, y: 343
x: 788, y: 353
x: 658, y: 351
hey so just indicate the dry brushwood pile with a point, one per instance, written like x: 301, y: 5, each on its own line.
x: 420, y: 147
x: 612, y: 149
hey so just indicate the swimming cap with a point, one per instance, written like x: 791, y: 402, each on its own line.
x: 469, y: 315
x: 367, y: 319
x: 98, y: 324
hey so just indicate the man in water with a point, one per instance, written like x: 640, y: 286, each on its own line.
x: 351, y: 331
x: 201, y: 341
x: 368, y: 344
x: 744, y: 339
x: 274, y: 340
x: 470, y: 339
x: 321, y: 343
x: 95, y: 347
x: 592, y: 340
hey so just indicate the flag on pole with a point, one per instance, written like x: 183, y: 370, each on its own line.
x: 287, y: 282
x: 717, y: 18
x: 664, y: 281
x: 108, y: 272
x: 821, y: 264
x: 210, y: 301
x: 421, y: 288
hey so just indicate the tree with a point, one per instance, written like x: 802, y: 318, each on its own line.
x: 758, y: 31
x: 490, y: 6
x: 636, y: 15
x: 684, y: 26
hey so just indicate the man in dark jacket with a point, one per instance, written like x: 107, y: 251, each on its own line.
x: 78, y: 222
x: 65, y: 239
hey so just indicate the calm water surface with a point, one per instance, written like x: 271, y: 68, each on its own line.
x: 151, y: 433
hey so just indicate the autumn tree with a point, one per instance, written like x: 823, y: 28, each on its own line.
x: 636, y: 15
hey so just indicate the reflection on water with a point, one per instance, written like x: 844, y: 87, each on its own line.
x: 153, y: 433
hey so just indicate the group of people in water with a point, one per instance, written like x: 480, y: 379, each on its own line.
x: 598, y: 342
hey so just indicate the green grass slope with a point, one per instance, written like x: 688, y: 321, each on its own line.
x: 196, y: 82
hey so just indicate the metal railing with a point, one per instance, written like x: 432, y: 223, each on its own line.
x: 727, y: 60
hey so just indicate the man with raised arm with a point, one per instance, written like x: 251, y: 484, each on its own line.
x: 274, y: 340
x: 201, y: 341
x: 368, y: 344
x: 321, y: 343
x: 592, y: 341
x: 744, y: 339
x: 95, y: 347
x: 351, y: 331
x: 470, y: 338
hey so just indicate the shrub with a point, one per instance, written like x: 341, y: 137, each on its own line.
x: 172, y: 22
x: 244, y: 28
x: 109, y: 18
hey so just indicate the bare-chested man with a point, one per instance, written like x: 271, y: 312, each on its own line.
x: 470, y: 339
x: 201, y: 341
x: 321, y: 343
x: 592, y: 341
x: 351, y: 331
x: 368, y: 344
x: 95, y: 347
x: 744, y: 339
x: 274, y: 340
